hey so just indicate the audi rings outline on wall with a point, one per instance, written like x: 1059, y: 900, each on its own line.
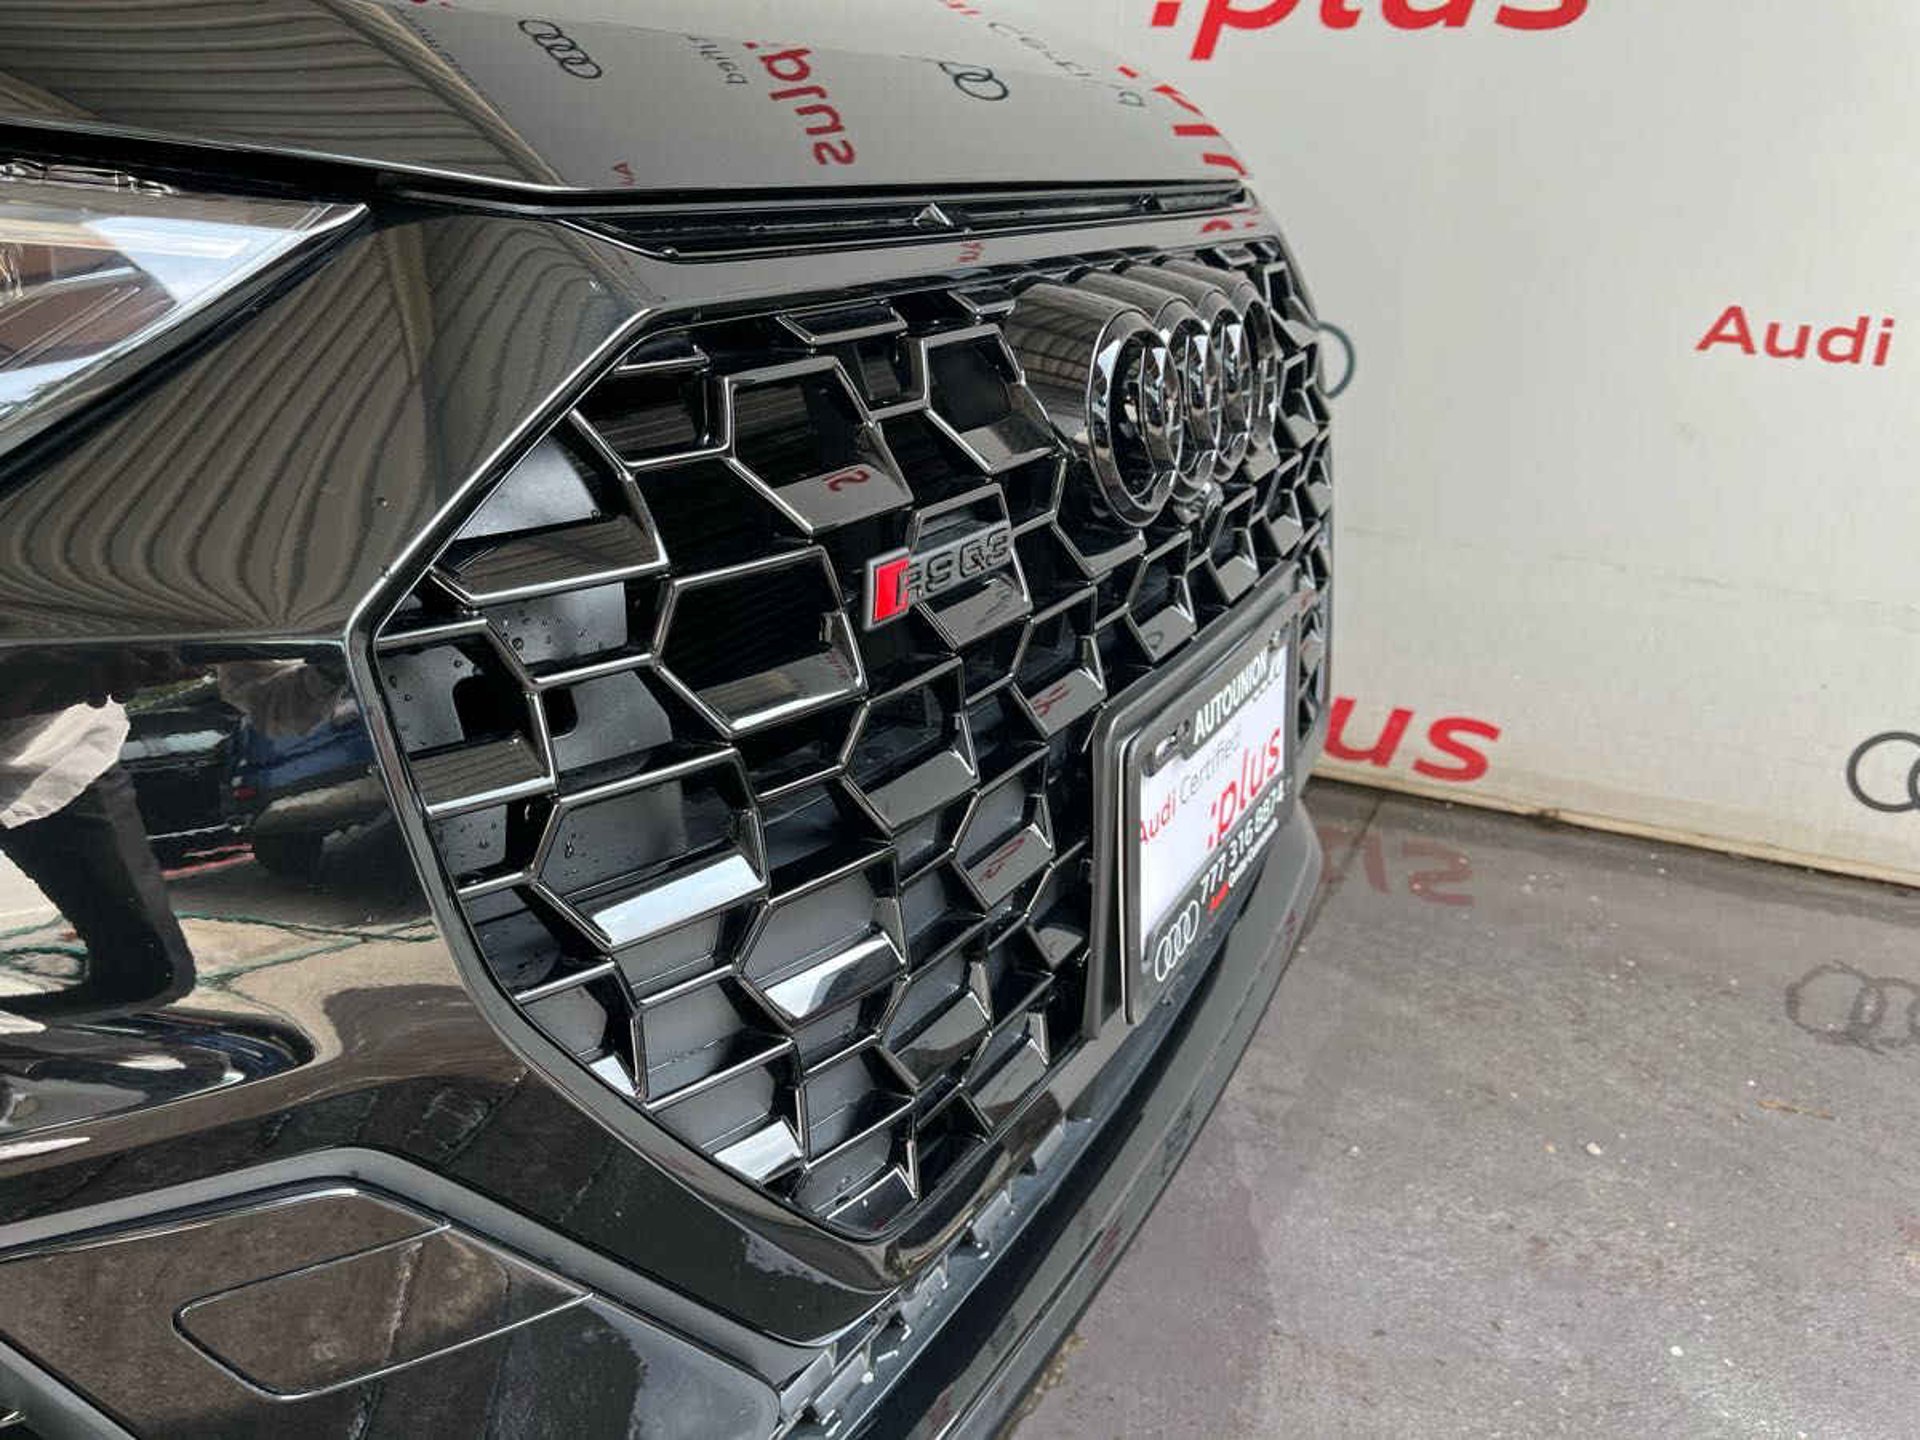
x: 563, y: 48
x: 1906, y: 804
x: 1103, y: 374
x: 976, y: 82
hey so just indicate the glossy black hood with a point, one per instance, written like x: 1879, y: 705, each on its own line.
x: 599, y: 96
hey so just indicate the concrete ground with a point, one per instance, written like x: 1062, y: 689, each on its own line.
x: 1547, y: 1133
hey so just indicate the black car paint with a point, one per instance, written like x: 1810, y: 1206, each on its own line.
x: 372, y: 393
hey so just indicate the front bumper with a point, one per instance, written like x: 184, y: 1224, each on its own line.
x: 1009, y: 1290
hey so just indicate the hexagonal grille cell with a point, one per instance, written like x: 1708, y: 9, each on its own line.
x: 827, y: 957
x: 1160, y: 609
x: 975, y: 394
x: 810, y: 897
x: 640, y: 860
x: 658, y: 403
x: 761, y: 643
x: 803, y: 439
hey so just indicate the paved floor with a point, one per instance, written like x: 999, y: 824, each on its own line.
x: 1547, y: 1133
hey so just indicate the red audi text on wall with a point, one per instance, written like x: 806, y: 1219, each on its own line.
x: 1450, y: 749
x: 1851, y: 342
x: 1219, y: 16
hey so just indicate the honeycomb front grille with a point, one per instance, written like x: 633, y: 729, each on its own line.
x: 815, y: 897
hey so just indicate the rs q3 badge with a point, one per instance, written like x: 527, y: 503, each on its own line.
x: 900, y: 579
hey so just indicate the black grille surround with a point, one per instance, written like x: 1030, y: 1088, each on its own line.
x: 813, y: 898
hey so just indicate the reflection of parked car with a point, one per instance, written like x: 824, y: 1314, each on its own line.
x: 180, y: 752
x: 207, y: 777
x: 291, y: 793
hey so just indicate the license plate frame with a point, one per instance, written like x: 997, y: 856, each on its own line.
x: 1124, y: 744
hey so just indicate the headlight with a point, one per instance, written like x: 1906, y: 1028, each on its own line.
x: 96, y: 266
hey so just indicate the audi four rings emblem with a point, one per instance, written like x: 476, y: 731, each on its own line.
x: 1162, y: 375
x: 1885, y: 753
x: 976, y: 82
x: 564, y: 49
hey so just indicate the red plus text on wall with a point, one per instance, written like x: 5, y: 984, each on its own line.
x: 1450, y: 749
x: 1219, y: 16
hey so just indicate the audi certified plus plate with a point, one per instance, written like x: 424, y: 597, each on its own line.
x: 1202, y: 787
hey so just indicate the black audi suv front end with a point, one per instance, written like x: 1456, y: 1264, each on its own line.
x: 652, y: 694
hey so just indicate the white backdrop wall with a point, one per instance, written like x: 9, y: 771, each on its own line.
x: 1681, y: 585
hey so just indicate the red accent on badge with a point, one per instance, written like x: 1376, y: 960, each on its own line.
x: 888, y: 599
